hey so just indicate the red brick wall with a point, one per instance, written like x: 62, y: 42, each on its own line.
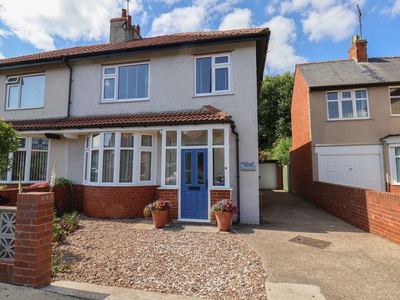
x: 170, y: 195
x: 33, y: 242
x: 217, y: 195
x: 63, y: 201
x: 393, y: 188
x: 374, y: 211
x: 301, y: 150
x: 117, y: 202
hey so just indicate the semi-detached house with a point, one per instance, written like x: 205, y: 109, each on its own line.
x: 135, y: 119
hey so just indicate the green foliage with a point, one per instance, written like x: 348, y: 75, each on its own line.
x: 281, y: 150
x: 9, y: 142
x: 274, y: 109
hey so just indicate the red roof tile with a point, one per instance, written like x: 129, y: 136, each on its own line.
x: 157, y: 41
x: 207, y: 114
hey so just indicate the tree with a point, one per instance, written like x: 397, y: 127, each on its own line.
x: 9, y: 142
x: 281, y: 150
x: 274, y: 121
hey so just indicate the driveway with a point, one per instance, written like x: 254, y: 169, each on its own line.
x: 310, y: 254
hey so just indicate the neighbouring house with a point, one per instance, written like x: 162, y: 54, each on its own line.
x: 345, y: 155
x: 135, y: 119
x: 346, y: 123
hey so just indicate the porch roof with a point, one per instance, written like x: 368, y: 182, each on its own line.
x: 206, y: 114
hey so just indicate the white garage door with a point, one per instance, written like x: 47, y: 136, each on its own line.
x: 358, y: 166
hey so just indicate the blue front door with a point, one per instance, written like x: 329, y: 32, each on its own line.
x: 194, y: 194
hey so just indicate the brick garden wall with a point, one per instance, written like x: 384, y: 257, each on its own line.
x: 117, y: 202
x: 63, y: 200
x: 373, y: 211
x: 31, y: 265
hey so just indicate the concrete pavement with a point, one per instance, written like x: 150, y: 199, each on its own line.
x: 310, y: 254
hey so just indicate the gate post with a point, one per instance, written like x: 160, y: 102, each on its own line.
x: 33, y: 239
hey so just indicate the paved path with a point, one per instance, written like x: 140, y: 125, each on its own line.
x: 355, y: 265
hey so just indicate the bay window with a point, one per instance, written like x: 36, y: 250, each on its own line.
x: 30, y: 161
x: 119, y: 157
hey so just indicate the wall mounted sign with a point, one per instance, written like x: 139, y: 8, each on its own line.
x: 248, y: 166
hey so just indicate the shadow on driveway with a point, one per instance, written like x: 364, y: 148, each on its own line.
x: 352, y: 264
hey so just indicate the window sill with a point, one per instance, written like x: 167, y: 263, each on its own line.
x: 122, y: 101
x: 23, y: 108
x: 214, y: 95
x: 117, y: 184
x: 358, y: 119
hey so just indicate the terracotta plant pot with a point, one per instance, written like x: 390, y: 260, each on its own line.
x: 159, y: 218
x: 224, y: 220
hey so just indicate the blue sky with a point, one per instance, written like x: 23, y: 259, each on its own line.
x: 301, y: 30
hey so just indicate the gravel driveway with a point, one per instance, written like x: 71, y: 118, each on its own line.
x: 206, y: 265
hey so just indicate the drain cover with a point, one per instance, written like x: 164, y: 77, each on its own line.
x: 311, y: 242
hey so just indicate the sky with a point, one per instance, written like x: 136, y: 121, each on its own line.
x: 301, y: 30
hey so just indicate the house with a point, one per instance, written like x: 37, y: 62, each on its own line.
x: 136, y: 119
x: 345, y: 123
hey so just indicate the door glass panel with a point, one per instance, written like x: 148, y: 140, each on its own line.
x: 188, y: 169
x: 200, y: 168
x: 194, y: 137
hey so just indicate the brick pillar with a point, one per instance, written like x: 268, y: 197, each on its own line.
x: 33, y: 239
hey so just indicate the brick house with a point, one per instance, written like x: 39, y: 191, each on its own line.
x: 138, y: 119
x: 345, y: 123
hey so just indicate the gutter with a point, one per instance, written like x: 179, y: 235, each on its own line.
x: 65, y: 60
x: 233, y: 128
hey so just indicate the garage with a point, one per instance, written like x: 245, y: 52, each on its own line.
x: 358, y: 166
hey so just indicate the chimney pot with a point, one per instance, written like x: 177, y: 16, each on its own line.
x: 130, y: 19
x: 123, y: 13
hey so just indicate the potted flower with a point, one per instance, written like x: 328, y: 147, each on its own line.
x: 159, y: 211
x: 223, y: 211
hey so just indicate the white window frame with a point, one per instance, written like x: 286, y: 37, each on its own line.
x: 115, y: 76
x: 28, y: 150
x: 209, y: 148
x: 15, y: 81
x: 353, y: 99
x: 214, y: 67
x: 137, y: 149
x: 393, y: 97
x: 392, y: 162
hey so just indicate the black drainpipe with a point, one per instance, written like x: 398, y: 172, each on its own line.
x: 233, y: 128
x: 70, y: 86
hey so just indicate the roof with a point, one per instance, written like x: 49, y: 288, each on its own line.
x: 206, y: 114
x: 341, y: 73
x: 165, y: 41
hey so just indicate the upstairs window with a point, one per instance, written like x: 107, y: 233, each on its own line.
x: 213, y: 74
x: 126, y: 82
x: 352, y: 104
x: 25, y: 91
x: 395, y: 101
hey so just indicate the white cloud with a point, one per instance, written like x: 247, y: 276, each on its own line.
x: 169, y: 2
x: 40, y: 22
x: 191, y: 18
x: 179, y: 20
x: 393, y: 10
x: 282, y: 56
x: 2, y: 55
x: 330, y: 24
x: 239, y: 18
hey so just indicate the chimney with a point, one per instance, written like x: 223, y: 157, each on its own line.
x: 358, y: 49
x: 121, y: 29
